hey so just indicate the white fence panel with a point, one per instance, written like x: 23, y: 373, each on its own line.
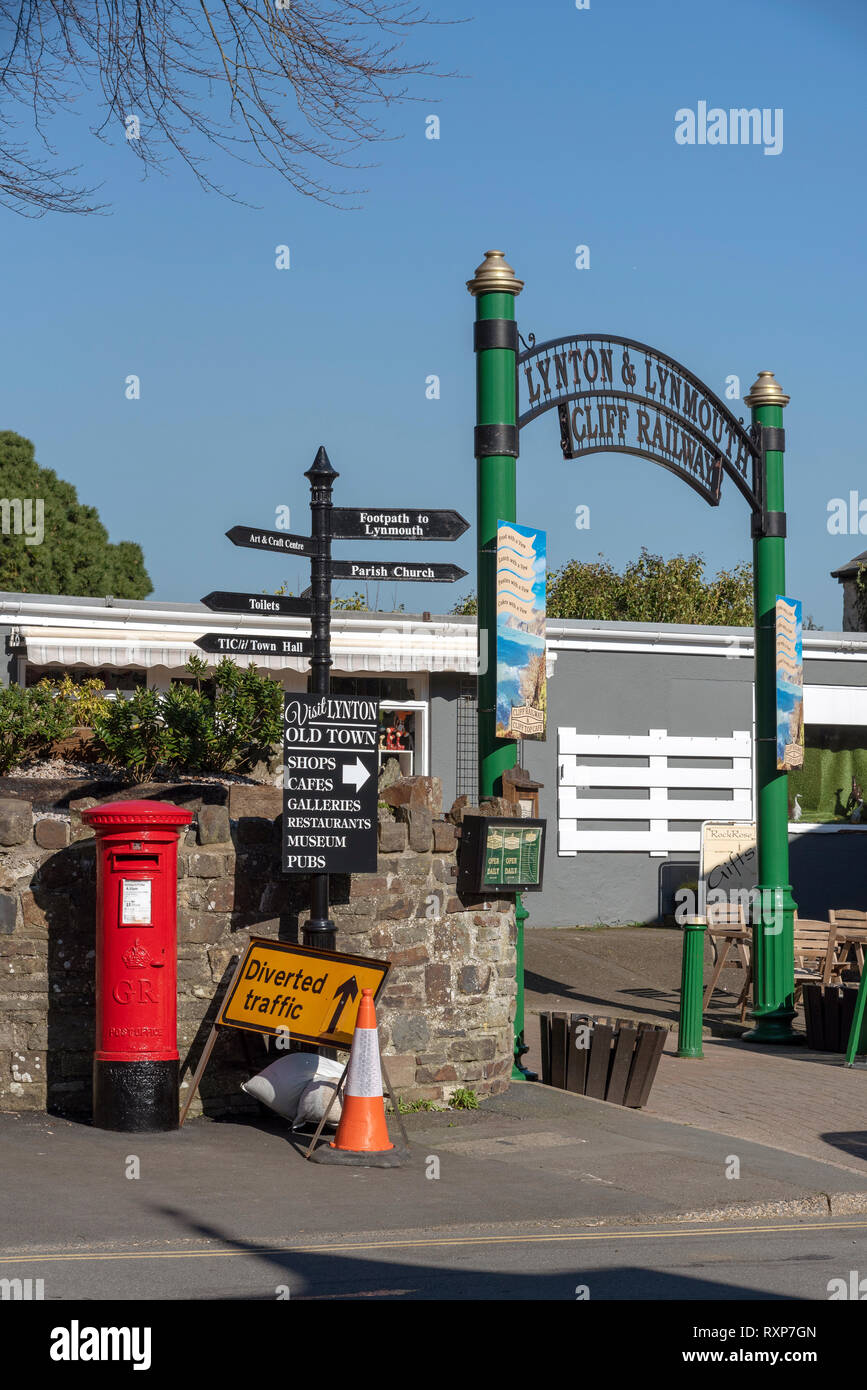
x: 654, y: 780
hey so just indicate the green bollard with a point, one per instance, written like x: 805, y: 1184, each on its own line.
x: 691, y: 989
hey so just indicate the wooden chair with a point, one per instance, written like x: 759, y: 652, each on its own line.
x: 815, y: 955
x: 727, y: 927
x: 850, y: 930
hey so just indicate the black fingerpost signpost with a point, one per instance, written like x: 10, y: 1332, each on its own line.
x: 330, y: 743
x: 319, y: 930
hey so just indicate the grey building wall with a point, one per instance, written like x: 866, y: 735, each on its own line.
x: 822, y: 671
x: 608, y: 692
x: 630, y: 692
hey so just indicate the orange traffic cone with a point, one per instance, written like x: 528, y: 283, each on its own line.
x: 362, y: 1137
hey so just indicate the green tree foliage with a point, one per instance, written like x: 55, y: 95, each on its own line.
x: 359, y: 602
x: 74, y: 555
x: 466, y: 605
x: 650, y: 590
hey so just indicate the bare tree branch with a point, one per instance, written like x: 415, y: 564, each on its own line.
x: 297, y: 85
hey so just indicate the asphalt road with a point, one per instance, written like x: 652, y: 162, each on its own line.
x: 768, y: 1260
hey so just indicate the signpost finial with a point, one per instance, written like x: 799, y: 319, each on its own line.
x: 765, y: 390
x: 321, y: 466
x: 493, y: 275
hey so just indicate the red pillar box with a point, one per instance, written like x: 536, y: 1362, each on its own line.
x: 135, y: 1064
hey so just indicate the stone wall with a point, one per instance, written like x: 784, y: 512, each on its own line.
x: 445, y: 1016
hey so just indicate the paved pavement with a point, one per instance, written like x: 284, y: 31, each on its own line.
x: 802, y: 1101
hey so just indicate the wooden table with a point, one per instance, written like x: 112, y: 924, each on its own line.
x: 854, y: 939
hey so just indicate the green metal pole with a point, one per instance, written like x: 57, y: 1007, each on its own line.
x: 495, y: 288
x: 691, y: 989
x: 858, y: 1032
x: 773, y: 913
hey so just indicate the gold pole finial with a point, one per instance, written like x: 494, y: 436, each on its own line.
x: 766, y: 391
x: 494, y: 274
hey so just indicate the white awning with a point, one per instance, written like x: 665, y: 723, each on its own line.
x: 361, y: 651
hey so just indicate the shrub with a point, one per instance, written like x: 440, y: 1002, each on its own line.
x: 86, y: 697
x: 31, y: 721
x: 228, y: 722
x: 131, y: 734
x: 246, y: 717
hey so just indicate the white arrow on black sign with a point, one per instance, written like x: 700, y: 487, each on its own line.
x: 355, y: 773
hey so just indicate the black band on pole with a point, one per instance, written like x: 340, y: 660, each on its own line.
x: 767, y: 524
x: 773, y: 438
x: 496, y: 439
x: 495, y: 333
x: 320, y: 930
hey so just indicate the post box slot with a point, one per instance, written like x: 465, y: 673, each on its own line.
x: 142, y: 860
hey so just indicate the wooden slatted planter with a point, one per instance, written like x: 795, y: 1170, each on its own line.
x: 618, y: 1065
x: 828, y: 1014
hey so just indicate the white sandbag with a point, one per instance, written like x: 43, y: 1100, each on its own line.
x: 315, y: 1100
x: 280, y: 1085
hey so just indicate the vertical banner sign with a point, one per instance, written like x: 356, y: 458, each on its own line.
x: 790, y: 685
x: 521, y: 579
x: 329, y: 785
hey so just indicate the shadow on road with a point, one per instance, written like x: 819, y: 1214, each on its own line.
x: 326, y: 1274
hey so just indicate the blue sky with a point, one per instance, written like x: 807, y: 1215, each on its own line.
x: 560, y: 132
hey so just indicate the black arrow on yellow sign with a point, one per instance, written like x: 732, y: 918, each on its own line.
x: 348, y: 990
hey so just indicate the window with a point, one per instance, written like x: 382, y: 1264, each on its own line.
x: 115, y: 682
x: 379, y: 688
x: 403, y: 737
x: 831, y: 784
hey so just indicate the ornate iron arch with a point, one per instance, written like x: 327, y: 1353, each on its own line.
x: 618, y: 395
